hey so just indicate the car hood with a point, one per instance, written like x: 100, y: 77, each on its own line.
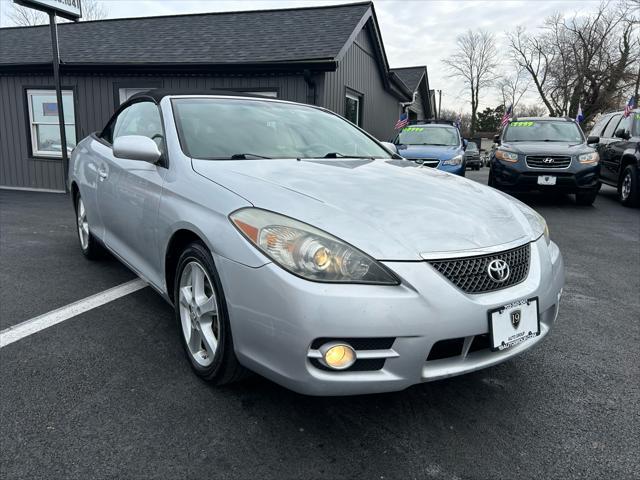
x: 428, y: 151
x: 546, y: 148
x: 390, y: 209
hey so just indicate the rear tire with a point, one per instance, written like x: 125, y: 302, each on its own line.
x: 628, y: 193
x: 202, y: 318
x: 89, y: 246
x: 586, y: 199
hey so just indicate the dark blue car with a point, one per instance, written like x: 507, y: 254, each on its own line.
x: 434, y: 145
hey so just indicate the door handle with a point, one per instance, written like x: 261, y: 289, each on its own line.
x: 102, y: 173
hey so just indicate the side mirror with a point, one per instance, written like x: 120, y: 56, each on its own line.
x: 389, y: 146
x: 136, y: 147
x: 622, y: 133
x: 496, y: 139
x: 593, y: 139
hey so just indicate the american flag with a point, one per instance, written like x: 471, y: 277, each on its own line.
x: 403, y: 121
x: 629, y: 106
x: 506, y: 116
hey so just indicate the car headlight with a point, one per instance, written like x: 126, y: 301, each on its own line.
x: 536, y: 221
x: 457, y: 160
x: 591, y: 158
x: 307, y: 251
x: 506, y: 156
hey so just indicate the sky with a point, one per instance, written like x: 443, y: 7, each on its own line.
x: 414, y: 32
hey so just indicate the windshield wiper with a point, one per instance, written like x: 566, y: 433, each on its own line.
x: 245, y: 156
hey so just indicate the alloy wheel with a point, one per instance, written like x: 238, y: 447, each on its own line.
x: 83, y: 225
x: 199, y: 313
x: 625, y: 191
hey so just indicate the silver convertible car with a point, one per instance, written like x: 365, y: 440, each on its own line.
x: 293, y: 244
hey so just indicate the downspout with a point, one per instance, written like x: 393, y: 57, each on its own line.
x: 404, y: 105
x: 311, y: 83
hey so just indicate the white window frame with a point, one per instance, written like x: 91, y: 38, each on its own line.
x: 264, y: 93
x: 358, y: 100
x: 33, y: 125
x: 123, y: 92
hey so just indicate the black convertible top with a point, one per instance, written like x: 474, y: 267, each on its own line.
x: 158, y: 94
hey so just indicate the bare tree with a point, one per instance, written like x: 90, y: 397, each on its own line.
x: 474, y: 62
x: 587, y: 60
x: 513, y: 87
x: 26, y: 17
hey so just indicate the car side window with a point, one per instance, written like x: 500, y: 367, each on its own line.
x: 625, y: 124
x: 597, y: 129
x: 142, y: 118
x: 612, y: 126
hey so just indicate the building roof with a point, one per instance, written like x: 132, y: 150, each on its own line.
x: 410, y: 76
x: 313, y: 34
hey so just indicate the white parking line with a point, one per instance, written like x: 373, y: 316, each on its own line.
x: 34, y: 325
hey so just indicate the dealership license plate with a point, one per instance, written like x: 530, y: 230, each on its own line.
x: 546, y: 180
x: 514, y: 323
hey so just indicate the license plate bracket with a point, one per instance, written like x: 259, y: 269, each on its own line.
x: 513, y: 323
x: 547, y: 180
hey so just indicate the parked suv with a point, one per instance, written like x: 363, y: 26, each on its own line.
x: 436, y: 145
x: 545, y: 154
x: 618, y: 143
x: 472, y: 156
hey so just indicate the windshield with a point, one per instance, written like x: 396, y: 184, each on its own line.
x: 472, y: 147
x: 543, y: 131
x: 429, y: 136
x: 227, y: 128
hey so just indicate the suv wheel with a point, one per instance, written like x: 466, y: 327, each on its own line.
x: 628, y: 187
x: 586, y: 198
x: 491, y: 182
x: 202, y: 318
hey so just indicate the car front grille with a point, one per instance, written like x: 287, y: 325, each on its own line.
x: 427, y: 162
x: 471, y: 274
x: 548, y: 161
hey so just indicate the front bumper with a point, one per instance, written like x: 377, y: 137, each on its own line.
x: 518, y: 177
x: 276, y: 317
x: 455, y: 169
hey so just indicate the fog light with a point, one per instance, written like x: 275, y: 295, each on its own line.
x: 338, y: 356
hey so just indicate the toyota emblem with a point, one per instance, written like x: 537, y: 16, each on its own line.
x: 498, y: 270
x: 548, y: 160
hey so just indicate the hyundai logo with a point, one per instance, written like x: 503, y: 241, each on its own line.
x: 548, y: 160
x: 498, y: 270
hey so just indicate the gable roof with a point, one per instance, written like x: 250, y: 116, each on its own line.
x: 411, y: 76
x: 313, y: 34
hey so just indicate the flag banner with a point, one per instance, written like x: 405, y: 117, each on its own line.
x: 403, y: 121
x: 506, y: 117
x: 579, y: 115
x: 631, y: 104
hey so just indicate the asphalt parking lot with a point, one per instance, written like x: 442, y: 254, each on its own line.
x: 108, y: 394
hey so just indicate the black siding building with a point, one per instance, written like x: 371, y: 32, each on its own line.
x: 332, y: 56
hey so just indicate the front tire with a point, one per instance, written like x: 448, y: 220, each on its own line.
x: 89, y: 246
x: 628, y: 187
x: 202, y: 318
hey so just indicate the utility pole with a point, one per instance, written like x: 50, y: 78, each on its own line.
x: 637, y: 86
x: 58, y: 85
x: 439, y: 103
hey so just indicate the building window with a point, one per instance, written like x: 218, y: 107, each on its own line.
x: 272, y: 94
x: 125, y: 94
x: 352, y: 110
x: 43, y: 122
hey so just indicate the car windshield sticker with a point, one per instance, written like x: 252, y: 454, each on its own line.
x: 413, y: 129
x: 521, y: 124
x: 637, y: 116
